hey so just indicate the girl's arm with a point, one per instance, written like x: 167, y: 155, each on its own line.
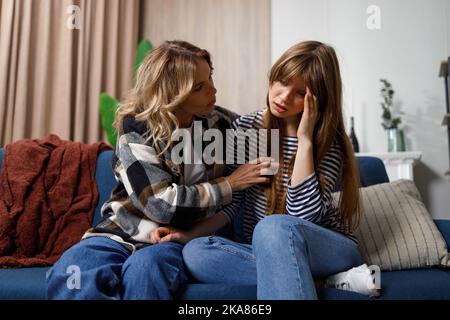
x: 304, y: 198
x: 304, y: 161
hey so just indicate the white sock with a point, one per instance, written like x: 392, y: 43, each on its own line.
x: 359, y: 279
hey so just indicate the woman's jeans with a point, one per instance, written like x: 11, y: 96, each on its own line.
x: 285, y: 255
x: 101, y: 268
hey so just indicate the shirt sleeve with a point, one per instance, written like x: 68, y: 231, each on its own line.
x: 151, y: 189
x: 305, y: 200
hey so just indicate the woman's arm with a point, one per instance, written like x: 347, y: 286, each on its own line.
x: 205, y: 227
x: 212, y: 224
x: 151, y: 188
x: 240, y: 125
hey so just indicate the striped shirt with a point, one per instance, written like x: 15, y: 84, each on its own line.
x: 304, y: 200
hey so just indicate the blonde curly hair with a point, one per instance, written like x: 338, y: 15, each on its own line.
x: 163, y: 82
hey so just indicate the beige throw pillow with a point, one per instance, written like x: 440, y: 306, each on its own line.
x: 396, y: 231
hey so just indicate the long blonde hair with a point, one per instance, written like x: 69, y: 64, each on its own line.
x: 316, y: 63
x: 164, y: 80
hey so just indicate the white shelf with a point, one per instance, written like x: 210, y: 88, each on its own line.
x: 399, y: 165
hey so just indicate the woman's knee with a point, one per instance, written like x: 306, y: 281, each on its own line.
x: 155, y: 258
x: 75, y: 255
x: 82, y: 268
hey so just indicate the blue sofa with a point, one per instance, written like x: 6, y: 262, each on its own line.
x: 434, y: 283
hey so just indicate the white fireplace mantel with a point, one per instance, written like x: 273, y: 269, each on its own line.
x: 399, y: 165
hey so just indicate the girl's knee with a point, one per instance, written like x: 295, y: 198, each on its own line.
x: 195, y: 253
x: 271, y: 227
x: 195, y: 248
x: 274, y: 232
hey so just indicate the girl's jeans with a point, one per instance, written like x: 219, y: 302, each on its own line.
x: 285, y: 255
x: 101, y: 268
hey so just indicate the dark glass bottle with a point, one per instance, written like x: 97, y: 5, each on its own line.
x: 352, y: 136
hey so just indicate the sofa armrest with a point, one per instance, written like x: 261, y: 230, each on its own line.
x: 104, y: 177
x: 1, y: 159
x: 444, y: 228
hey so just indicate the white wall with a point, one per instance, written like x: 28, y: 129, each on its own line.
x: 407, y: 50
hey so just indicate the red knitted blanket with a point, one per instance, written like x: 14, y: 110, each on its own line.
x: 48, y: 196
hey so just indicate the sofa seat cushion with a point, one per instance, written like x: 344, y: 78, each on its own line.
x: 29, y: 283
x: 23, y: 284
x: 415, y: 284
x: 207, y: 291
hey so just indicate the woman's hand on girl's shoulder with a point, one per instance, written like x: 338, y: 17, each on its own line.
x: 309, y: 117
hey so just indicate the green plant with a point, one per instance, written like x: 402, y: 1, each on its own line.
x: 108, y: 105
x: 387, y: 94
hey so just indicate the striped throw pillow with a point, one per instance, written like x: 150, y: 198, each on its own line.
x: 396, y: 231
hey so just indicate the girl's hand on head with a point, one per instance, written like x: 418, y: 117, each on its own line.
x: 251, y: 173
x: 309, y: 117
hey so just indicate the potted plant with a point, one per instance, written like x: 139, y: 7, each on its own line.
x: 396, y: 141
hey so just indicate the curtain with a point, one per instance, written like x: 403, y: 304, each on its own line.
x: 55, y: 61
x: 235, y: 32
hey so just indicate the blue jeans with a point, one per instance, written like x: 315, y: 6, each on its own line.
x: 285, y: 255
x: 107, y: 270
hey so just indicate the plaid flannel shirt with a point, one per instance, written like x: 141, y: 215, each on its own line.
x: 150, y: 190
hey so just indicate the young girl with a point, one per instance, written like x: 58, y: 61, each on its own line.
x: 292, y: 232
x: 115, y: 260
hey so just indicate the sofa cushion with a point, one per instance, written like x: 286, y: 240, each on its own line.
x: 444, y: 228
x: 29, y: 283
x: 422, y: 284
x: 396, y: 231
x: 208, y: 291
x: 415, y: 284
x: 23, y: 284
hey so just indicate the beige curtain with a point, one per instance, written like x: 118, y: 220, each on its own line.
x: 51, y: 75
x: 236, y: 32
